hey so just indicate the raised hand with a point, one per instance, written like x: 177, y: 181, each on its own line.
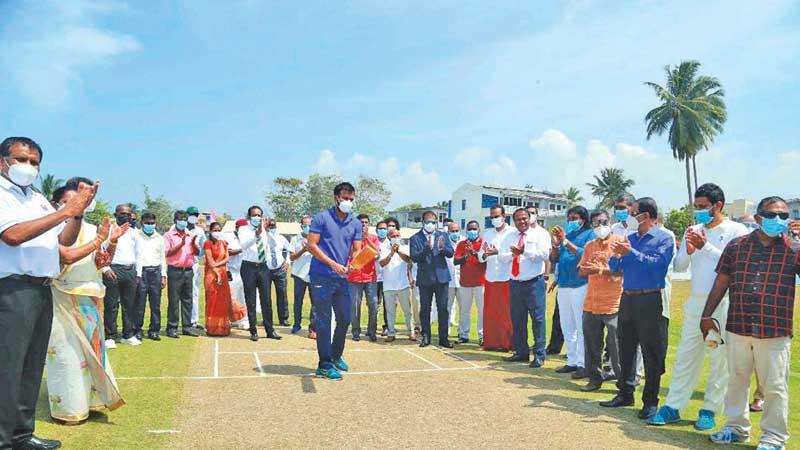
x: 621, y: 247
x: 440, y: 243
x: 517, y: 251
x: 119, y: 231
x: 84, y: 196
x: 103, y: 230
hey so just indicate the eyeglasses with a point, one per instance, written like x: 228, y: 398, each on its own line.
x: 772, y: 215
x: 598, y: 222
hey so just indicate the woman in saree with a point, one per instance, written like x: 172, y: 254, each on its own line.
x: 219, y: 310
x: 79, y: 376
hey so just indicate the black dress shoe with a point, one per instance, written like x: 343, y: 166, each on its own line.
x: 424, y: 343
x: 35, y: 443
x: 191, y: 332
x: 591, y: 387
x: 516, y: 358
x: 284, y: 323
x: 446, y: 344
x: 648, y: 411
x: 536, y: 363
x: 139, y: 335
x: 172, y: 334
x: 463, y: 341
x: 373, y: 338
x: 552, y: 351
x: 253, y: 336
x: 579, y: 374
x: 617, y: 402
x: 356, y: 338
x: 275, y: 336
x: 154, y: 336
x: 566, y: 369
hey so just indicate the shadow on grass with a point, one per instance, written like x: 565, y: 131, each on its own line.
x: 43, y: 413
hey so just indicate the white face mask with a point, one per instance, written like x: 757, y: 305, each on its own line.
x: 91, y: 207
x: 602, y: 231
x: 346, y: 206
x: 498, y: 222
x: 430, y: 227
x: 22, y: 174
x: 192, y: 220
x: 216, y: 235
x: 394, y: 241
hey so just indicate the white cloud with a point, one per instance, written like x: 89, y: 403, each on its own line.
x: 472, y: 157
x: 360, y: 161
x: 502, y: 171
x: 555, y: 142
x: 326, y: 163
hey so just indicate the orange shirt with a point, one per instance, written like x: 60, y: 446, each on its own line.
x: 604, y: 290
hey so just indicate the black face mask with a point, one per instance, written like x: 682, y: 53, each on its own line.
x: 122, y: 220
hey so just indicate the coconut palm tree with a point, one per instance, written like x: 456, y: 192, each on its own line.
x: 610, y: 184
x: 693, y: 111
x: 573, y: 196
x: 48, y: 184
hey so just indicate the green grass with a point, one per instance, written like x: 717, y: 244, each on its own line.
x: 154, y: 405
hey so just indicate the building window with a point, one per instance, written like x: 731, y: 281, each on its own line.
x: 512, y: 201
x: 442, y: 216
x: 528, y: 204
x: 536, y: 205
x: 552, y: 207
x: 487, y: 201
x: 418, y: 219
x: 463, y: 204
x: 487, y: 222
x: 796, y: 214
x: 463, y: 221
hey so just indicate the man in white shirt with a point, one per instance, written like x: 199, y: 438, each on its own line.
x: 30, y: 234
x: 151, y: 277
x: 382, y: 232
x: 301, y: 263
x: 235, y: 267
x: 120, y: 281
x: 525, y: 250
x: 497, y: 328
x: 278, y: 250
x: 454, y: 234
x: 394, y: 260
x: 702, y: 246
x: 624, y: 224
x: 198, y: 230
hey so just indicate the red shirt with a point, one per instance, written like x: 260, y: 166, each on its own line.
x: 473, y: 272
x: 366, y: 274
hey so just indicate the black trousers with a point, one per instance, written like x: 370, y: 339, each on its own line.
x: 121, y: 291
x: 149, y: 289
x: 278, y: 278
x: 179, y: 297
x: 26, y: 318
x: 300, y: 288
x: 640, y: 322
x: 426, y: 294
x: 556, y: 336
x: 257, y: 277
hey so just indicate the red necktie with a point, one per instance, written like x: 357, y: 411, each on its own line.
x: 430, y: 240
x: 515, y: 260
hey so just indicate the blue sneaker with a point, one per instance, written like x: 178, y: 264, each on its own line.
x: 296, y: 329
x: 769, y: 447
x: 330, y: 373
x: 664, y: 416
x: 705, y: 421
x: 340, y: 365
x: 728, y: 436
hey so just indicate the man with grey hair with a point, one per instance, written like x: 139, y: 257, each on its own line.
x: 301, y: 263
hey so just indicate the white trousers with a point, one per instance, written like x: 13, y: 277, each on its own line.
x: 770, y: 358
x: 570, y: 309
x: 465, y: 299
x: 197, y: 279
x: 237, y: 294
x: 690, y: 360
x: 415, y: 306
x: 392, y: 299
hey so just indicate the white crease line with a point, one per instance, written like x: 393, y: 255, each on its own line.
x: 290, y: 352
x: 163, y: 431
x: 457, y: 357
x: 423, y: 359
x: 258, y: 365
x: 216, y: 358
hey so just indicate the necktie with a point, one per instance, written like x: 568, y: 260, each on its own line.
x: 430, y: 240
x: 262, y: 254
x: 515, y: 260
x: 272, y: 253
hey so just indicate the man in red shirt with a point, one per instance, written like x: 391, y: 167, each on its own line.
x: 473, y: 272
x: 364, y: 282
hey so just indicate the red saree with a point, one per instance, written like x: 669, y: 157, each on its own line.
x: 497, y: 331
x: 219, y: 310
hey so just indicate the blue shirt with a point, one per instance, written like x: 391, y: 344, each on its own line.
x: 645, y: 267
x: 335, y: 240
x: 568, y: 262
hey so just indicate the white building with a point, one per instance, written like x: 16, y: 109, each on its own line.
x: 412, y: 218
x: 794, y: 208
x: 472, y: 202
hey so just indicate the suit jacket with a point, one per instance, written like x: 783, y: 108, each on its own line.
x: 431, y: 262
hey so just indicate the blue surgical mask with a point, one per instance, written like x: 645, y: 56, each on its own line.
x: 621, y: 215
x: 774, y: 227
x: 472, y: 235
x: 133, y: 223
x: 148, y: 228
x: 273, y: 231
x: 572, y: 225
x: 181, y: 224
x: 703, y: 216
x: 454, y: 236
x: 306, y: 229
x: 255, y: 222
x: 382, y: 232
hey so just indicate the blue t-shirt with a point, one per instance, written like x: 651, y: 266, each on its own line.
x: 568, y: 276
x: 646, y: 266
x: 335, y: 240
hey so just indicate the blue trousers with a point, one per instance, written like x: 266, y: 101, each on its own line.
x: 528, y: 297
x: 426, y: 294
x: 331, y: 295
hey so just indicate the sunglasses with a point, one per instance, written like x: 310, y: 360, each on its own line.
x: 772, y: 215
x: 597, y: 222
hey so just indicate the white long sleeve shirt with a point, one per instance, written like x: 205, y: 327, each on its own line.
x: 496, y: 270
x: 301, y: 265
x: 704, y: 261
x: 127, y: 251
x: 534, y: 255
x: 151, y: 253
x: 455, y: 271
x: 278, y: 243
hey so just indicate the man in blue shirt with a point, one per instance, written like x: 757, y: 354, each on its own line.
x: 334, y: 236
x: 644, y: 258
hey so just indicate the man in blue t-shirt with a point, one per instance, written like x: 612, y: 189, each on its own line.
x: 335, y: 235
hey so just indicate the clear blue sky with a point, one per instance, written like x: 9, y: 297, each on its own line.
x: 206, y: 101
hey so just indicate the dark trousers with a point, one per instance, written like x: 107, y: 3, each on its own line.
x: 528, y: 298
x: 641, y: 323
x: 426, y: 294
x: 256, y: 276
x: 120, y: 291
x: 556, y: 336
x: 149, y: 289
x: 593, y: 342
x: 179, y: 297
x: 331, y: 295
x: 300, y: 287
x: 26, y: 317
x: 278, y: 278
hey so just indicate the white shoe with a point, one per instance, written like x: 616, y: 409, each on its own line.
x: 132, y: 341
x: 110, y: 343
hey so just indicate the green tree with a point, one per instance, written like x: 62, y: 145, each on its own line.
x: 678, y: 220
x: 372, y: 197
x: 610, y: 184
x: 287, y: 199
x: 692, y: 110
x: 319, y: 192
x: 159, y: 206
x: 102, y: 210
x: 573, y: 196
x: 48, y: 184
x: 409, y: 207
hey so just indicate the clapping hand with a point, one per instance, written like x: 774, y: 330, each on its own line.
x: 622, y: 248
x: 84, y: 196
x: 558, y: 235
x: 103, y: 229
x: 517, y: 251
x: 119, y: 231
x: 696, y: 240
x: 440, y: 243
x: 794, y: 228
x: 489, y: 249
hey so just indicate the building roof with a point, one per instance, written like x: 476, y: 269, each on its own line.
x: 526, y: 191
x: 423, y: 209
x: 293, y: 228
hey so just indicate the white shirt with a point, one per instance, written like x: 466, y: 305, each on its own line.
x: 619, y: 229
x: 127, y: 248
x: 395, y: 274
x: 201, y: 239
x: 704, y: 261
x: 39, y: 256
x: 301, y: 265
x: 496, y: 270
x: 378, y: 268
x: 151, y: 253
x: 537, y: 250
x: 234, y: 261
x: 455, y: 271
x: 278, y: 243
x: 666, y: 293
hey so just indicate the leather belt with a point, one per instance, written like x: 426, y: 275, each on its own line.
x: 640, y: 291
x: 38, y: 281
x: 182, y: 269
x: 532, y: 280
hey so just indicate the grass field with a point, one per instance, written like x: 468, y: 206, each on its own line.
x: 157, y: 407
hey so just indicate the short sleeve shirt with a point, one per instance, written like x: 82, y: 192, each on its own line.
x: 336, y: 238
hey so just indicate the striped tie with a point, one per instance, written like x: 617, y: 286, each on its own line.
x: 262, y: 253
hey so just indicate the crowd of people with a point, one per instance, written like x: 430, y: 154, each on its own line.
x: 64, y: 282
